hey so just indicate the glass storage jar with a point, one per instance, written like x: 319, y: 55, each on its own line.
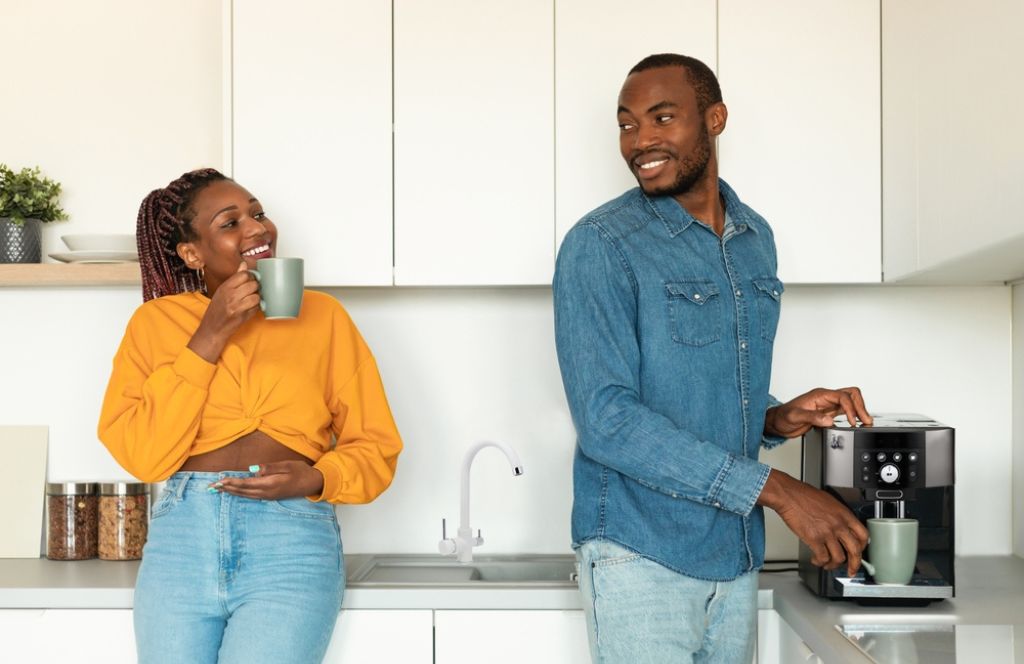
x: 124, y: 520
x: 71, y: 530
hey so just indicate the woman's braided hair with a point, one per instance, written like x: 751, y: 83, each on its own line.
x: 165, y: 219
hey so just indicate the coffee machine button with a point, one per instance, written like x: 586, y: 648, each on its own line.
x: 912, y: 456
x: 889, y: 473
x: 897, y: 457
x: 913, y: 474
x: 866, y: 477
x: 880, y: 456
x: 865, y: 456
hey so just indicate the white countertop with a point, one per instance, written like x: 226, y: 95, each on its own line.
x: 990, y: 591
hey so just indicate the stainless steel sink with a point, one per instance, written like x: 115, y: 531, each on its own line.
x: 431, y: 570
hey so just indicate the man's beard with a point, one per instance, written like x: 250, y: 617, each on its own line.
x: 691, y: 170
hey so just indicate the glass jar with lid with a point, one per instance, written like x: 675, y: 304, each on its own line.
x: 123, y: 520
x: 71, y: 520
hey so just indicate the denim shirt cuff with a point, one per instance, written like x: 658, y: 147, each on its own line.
x: 738, y: 484
x: 767, y: 441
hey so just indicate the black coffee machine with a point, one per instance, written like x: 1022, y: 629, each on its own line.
x: 902, y: 466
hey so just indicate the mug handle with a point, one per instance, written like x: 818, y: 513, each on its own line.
x: 263, y: 304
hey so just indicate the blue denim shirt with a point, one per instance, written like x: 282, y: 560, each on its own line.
x: 664, y: 335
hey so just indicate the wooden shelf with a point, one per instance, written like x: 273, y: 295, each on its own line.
x: 69, y: 274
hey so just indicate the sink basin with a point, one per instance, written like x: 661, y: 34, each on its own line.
x: 533, y: 570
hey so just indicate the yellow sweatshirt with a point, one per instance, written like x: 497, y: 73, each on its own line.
x: 298, y: 381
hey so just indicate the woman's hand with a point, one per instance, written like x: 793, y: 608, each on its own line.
x: 278, y: 479
x: 233, y: 303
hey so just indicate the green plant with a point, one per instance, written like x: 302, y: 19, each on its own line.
x: 28, y: 195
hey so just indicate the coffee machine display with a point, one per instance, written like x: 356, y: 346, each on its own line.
x: 902, y: 467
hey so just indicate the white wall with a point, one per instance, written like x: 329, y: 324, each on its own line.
x: 462, y: 365
x: 112, y: 98
x: 1018, y: 419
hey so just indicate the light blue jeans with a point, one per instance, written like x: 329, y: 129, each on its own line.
x: 639, y: 612
x: 229, y: 580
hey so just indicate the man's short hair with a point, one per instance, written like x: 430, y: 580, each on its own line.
x: 703, y: 80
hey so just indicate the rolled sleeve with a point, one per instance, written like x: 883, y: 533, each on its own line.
x: 768, y: 441
x: 738, y: 485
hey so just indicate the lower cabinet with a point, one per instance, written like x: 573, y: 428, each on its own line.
x: 82, y: 636
x: 510, y: 637
x: 382, y: 637
x: 778, y: 643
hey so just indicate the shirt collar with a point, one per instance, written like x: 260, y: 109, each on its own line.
x: 677, y: 219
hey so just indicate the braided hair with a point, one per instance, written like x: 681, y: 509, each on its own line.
x: 165, y: 219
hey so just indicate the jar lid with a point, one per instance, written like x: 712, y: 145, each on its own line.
x: 70, y: 488
x: 123, y: 488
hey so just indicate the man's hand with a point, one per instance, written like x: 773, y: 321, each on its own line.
x: 828, y: 527
x: 816, y: 408
x: 279, y: 479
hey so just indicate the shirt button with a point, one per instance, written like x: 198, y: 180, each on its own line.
x: 717, y: 504
x: 743, y: 345
x: 696, y: 296
x: 738, y: 292
x: 775, y: 292
x: 746, y: 402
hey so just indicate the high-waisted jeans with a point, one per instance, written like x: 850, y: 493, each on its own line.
x: 228, y: 580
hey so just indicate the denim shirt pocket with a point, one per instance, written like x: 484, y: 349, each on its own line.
x: 693, y: 309
x: 769, y: 302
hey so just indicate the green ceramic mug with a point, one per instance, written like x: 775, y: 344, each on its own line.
x: 892, y: 550
x: 280, y: 286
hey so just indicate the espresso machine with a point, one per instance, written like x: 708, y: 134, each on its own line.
x: 901, y: 466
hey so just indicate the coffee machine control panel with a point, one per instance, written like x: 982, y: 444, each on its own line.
x: 888, y: 468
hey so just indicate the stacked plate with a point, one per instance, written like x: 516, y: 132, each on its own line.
x: 96, y: 248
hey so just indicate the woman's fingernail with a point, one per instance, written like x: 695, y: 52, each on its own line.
x: 255, y: 468
x: 211, y: 489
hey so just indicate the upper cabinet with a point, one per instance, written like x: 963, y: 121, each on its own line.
x: 310, y: 129
x: 473, y: 152
x: 801, y: 80
x: 597, y: 42
x: 952, y: 100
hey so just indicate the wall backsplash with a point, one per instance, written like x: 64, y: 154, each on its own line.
x: 463, y: 365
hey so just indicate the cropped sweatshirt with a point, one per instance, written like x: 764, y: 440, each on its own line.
x: 301, y: 381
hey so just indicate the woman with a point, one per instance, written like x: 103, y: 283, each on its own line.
x: 236, y: 412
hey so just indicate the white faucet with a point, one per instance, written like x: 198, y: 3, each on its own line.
x: 462, y: 544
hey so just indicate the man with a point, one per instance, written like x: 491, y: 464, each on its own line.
x: 666, y: 304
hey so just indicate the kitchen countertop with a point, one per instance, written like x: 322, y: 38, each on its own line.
x: 990, y: 591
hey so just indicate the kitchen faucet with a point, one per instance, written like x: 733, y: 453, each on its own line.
x: 462, y: 544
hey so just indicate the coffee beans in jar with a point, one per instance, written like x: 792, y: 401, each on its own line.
x: 123, y: 520
x: 71, y: 515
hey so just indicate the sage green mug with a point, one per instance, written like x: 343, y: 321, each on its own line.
x: 892, y: 550
x: 280, y: 286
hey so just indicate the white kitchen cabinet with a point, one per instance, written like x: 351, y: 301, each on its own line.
x: 801, y: 80
x: 597, y: 43
x: 951, y: 105
x: 510, y: 637
x: 84, y: 636
x: 778, y: 643
x: 310, y: 127
x: 474, y: 157
x: 382, y: 637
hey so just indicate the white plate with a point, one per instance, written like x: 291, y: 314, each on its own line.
x: 96, y: 256
x: 100, y: 242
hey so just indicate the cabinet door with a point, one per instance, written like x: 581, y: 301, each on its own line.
x: 84, y: 636
x: 311, y: 127
x: 382, y: 637
x: 474, y: 155
x: 802, y: 145
x: 952, y: 164
x: 510, y: 637
x: 597, y: 42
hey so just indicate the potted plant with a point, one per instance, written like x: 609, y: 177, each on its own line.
x: 27, y: 199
